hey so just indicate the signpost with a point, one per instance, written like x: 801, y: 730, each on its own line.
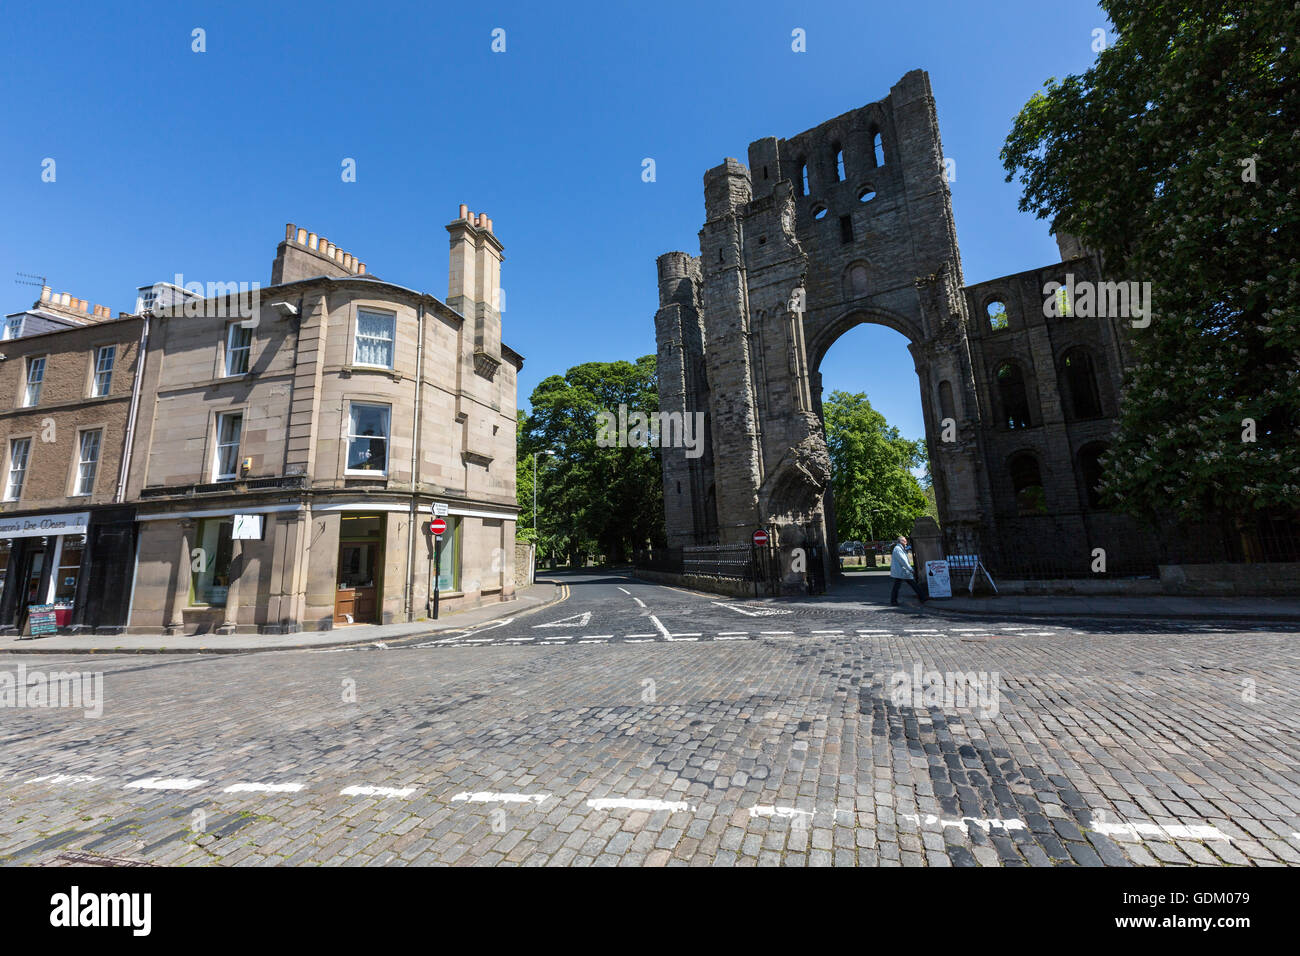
x: 437, y: 527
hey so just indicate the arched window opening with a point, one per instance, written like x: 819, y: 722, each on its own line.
x: 1027, y: 482
x: 1091, y: 473
x: 945, y: 401
x: 859, y: 280
x: 997, y: 313
x: 1078, y: 382
x: 803, y: 177
x: 839, y: 163
x: 878, y: 148
x: 1014, y: 397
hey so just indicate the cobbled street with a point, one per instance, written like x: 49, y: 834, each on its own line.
x: 635, y: 724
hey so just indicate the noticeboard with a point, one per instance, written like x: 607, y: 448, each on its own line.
x: 937, y: 582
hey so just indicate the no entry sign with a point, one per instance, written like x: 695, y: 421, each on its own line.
x: 437, y: 526
x: 760, y: 537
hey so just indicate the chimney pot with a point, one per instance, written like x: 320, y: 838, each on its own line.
x: 464, y: 211
x: 361, y: 268
x: 489, y: 225
x: 288, y: 231
x: 311, y: 241
x: 347, y: 261
x: 302, y: 237
x: 328, y: 246
x: 338, y: 255
x: 45, y: 293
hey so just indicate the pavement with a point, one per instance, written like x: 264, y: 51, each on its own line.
x: 527, y: 600
x: 872, y: 587
x: 641, y: 725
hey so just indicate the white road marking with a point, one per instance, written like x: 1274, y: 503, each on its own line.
x: 579, y: 620
x: 484, y: 796
x: 862, y: 631
x: 166, y: 783
x: 626, y: 591
x: 660, y: 624
x: 629, y: 640
x: 777, y: 632
x: 639, y: 601
x: 754, y: 612
x: 265, y: 787
x: 620, y: 803
x: 788, y: 813
x: 732, y: 637
x: 731, y: 633
x: 828, y: 632
x: 64, y: 778
x: 965, y: 823
x: 361, y: 791
x: 1139, y: 831
x: 642, y: 635
x: 595, y: 637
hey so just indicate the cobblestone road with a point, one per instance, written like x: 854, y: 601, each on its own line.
x: 669, y: 728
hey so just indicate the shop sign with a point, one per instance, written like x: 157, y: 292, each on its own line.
x: 31, y: 526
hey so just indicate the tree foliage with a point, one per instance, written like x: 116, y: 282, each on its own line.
x: 876, y: 494
x: 593, y: 500
x: 1175, y: 158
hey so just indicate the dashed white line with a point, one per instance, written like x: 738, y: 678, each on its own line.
x: 1176, y: 831
x: 485, y: 796
x: 265, y: 787
x: 364, y: 791
x: 625, y: 591
x: 965, y: 823
x: 166, y: 783
x: 639, y: 601
x: 620, y: 803
x: 64, y: 778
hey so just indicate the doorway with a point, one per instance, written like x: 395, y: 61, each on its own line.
x: 360, y: 570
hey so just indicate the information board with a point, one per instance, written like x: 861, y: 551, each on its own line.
x: 937, y: 582
x: 42, y: 619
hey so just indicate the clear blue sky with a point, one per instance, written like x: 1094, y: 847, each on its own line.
x: 174, y: 161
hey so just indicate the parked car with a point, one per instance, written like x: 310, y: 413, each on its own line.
x: 853, y: 549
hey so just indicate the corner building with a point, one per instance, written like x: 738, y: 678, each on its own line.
x: 288, y: 455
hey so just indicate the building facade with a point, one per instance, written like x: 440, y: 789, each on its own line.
x: 851, y: 222
x: 67, y: 533
x: 289, y: 443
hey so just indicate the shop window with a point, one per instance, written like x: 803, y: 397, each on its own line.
x: 210, y: 562
x: 19, y: 448
x: 88, y: 462
x: 105, y: 356
x: 35, y: 378
x: 449, y: 556
x: 374, y: 346
x: 69, y: 569
x: 368, y: 439
x: 229, y: 427
x: 239, y: 343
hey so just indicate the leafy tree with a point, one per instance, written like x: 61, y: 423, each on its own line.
x: 594, y: 500
x: 1175, y: 158
x: 876, y: 494
x: 524, y: 483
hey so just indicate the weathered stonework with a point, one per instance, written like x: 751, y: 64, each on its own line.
x: 857, y: 213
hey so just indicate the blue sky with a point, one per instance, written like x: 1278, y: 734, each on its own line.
x: 173, y: 161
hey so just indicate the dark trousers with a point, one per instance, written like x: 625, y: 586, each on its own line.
x: 899, y: 582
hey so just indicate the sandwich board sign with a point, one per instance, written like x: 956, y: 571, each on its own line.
x: 937, y: 582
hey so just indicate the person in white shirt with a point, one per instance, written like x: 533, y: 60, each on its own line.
x: 900, y: 569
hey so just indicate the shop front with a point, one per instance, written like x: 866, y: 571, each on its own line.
x: 72, y: 566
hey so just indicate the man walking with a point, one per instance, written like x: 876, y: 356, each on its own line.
x: 900, y: 569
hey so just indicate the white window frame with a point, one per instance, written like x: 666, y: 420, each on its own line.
x: 388, y: 441
x: 102, y: 379
x: 32, y: 393
x: 388, y: 317
x: 14, y: 327
x: 219, y: 446
x: 236, y: 329
x: 13, y: 493
x: 83, y: 488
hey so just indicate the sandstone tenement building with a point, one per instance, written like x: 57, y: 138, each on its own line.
x: 851, y: 222
x: 266, y: 465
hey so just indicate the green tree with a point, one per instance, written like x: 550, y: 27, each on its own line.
x: 876, y: 494
x: 524, y: 463
x: 1175, y: 158
x: 591, y: 499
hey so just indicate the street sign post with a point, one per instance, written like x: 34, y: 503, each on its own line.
x: 759, y: 540
x: 437, y: 527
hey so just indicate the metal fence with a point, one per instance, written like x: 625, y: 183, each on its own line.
x: 735, y: 562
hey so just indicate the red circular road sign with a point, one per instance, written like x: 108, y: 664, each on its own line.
x: 437, y: 526
x: 760, y: 537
